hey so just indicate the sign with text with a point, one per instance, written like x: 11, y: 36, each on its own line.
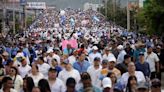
x: 36, y: 5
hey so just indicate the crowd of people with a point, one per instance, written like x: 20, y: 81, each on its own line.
x: 107, y: 58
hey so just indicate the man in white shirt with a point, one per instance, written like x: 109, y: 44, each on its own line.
x: 94, y: 54
x: 24, y: 69
x: 94, y: 71
x: 153, y: 61
x: 69, y: 71
x: 52, y: 55
x: 121, y: 54
x: 72, y: 59
x: 132, y: 72
x: 43, y: 67
x: 56, y: 85
x: 107, y: 53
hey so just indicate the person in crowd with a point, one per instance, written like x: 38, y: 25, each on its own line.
x: 94, y: 54
x: 87, y: 84
x: 70, y: 85
x: 43, y: 67
x: 129, y: 50
x: 132, y: 72
x: 56, y: 85
x: 28, y: 84
x: 7, y: 85
x: 143, y: 66
x: 153, y: 61
x: 112, y: 68
x: 35, y: 74
x: 155, y: 85
x: 121, y: 54
x: 36, y: 89
x: 124, y: 65
x: 44, y: 85
x: 68, y: 50
x: 81, y: 64
x: 113, y: 78
x: 24, y: 68
x: 17, y: 79
x: 107, y: 53
x: 55, y: 65
x: 73, y: 57
x: 132, y: 84
x: 94, y: 71
x: 2, y: 70
x: 142, y: 87
x: 5, y: 57
x: 70, y: 72
x: 107, y: 84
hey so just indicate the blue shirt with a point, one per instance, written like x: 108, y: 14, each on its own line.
x: 143, y: 68
x: 81, y: 66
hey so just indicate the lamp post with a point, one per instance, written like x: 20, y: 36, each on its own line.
x: 128, y: 16
x: 13, y: 18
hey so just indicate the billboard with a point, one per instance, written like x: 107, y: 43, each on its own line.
x: 36, y: 5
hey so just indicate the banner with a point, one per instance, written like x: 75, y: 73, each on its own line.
x: 36, y: 5
x: 73, y: 43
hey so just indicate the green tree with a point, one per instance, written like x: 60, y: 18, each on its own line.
x: 151, y: 17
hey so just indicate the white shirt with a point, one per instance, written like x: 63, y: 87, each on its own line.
x: 120, y: 57
x: 43, y: 68
x: 36, y: 78
x: 18, y: 83
x: 23, y: 71
x: 64, y: 75
x: 105, y: 56
x: 57, y: 86
x: 139, y: 75
x: 72, y: 59
x: 93, y: 55
x: 95, y: 74
x: 151, y: 59
x: 11, y: 90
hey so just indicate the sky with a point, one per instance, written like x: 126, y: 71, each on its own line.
x: 72, y: 3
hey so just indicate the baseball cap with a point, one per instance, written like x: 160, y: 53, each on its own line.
x: 141, y: 53
x: 120, y: 47
x: 49, y: 50
x: 5, y: 53
x: 94, y: 48
x: 96, y: 59
x: 106, y: 82
x: 142, y: 85
x: 110, y: 59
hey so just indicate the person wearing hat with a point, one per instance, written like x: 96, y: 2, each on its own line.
x: 56, y: 85
x: 5, y: 57
x: 143, y: 87
x: 143, y: 66
x: 94, y: 54
x: 106, y: 84
x: 121, y: 54
x: 94, y: 71
x: 112, y: 68
x: 107, y: 53
x: 153, y: 61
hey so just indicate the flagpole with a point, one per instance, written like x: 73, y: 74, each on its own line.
x: 13, y: 18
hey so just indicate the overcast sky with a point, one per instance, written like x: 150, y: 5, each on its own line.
x: 71, y: 3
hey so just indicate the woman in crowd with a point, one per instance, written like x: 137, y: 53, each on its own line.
x: 28, y: 84
x: 132, y: 84
x: 35, y: 74
x: 44, y: 85
x: 17, y: 79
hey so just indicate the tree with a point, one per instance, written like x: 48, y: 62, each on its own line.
x: 151, y: 17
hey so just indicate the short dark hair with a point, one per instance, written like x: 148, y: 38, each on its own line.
x: 5, y: 79
x: 52, y: 70
x: 70, y: 80
x: 85, y: 76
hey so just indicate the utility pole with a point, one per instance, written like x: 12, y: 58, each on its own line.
x: 128, y: 16
x: 106, y: 8
x: 13, y: 18
x: 114, y: 10
x: 4, y: 15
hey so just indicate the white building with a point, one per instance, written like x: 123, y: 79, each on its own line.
x: 91, y: 6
